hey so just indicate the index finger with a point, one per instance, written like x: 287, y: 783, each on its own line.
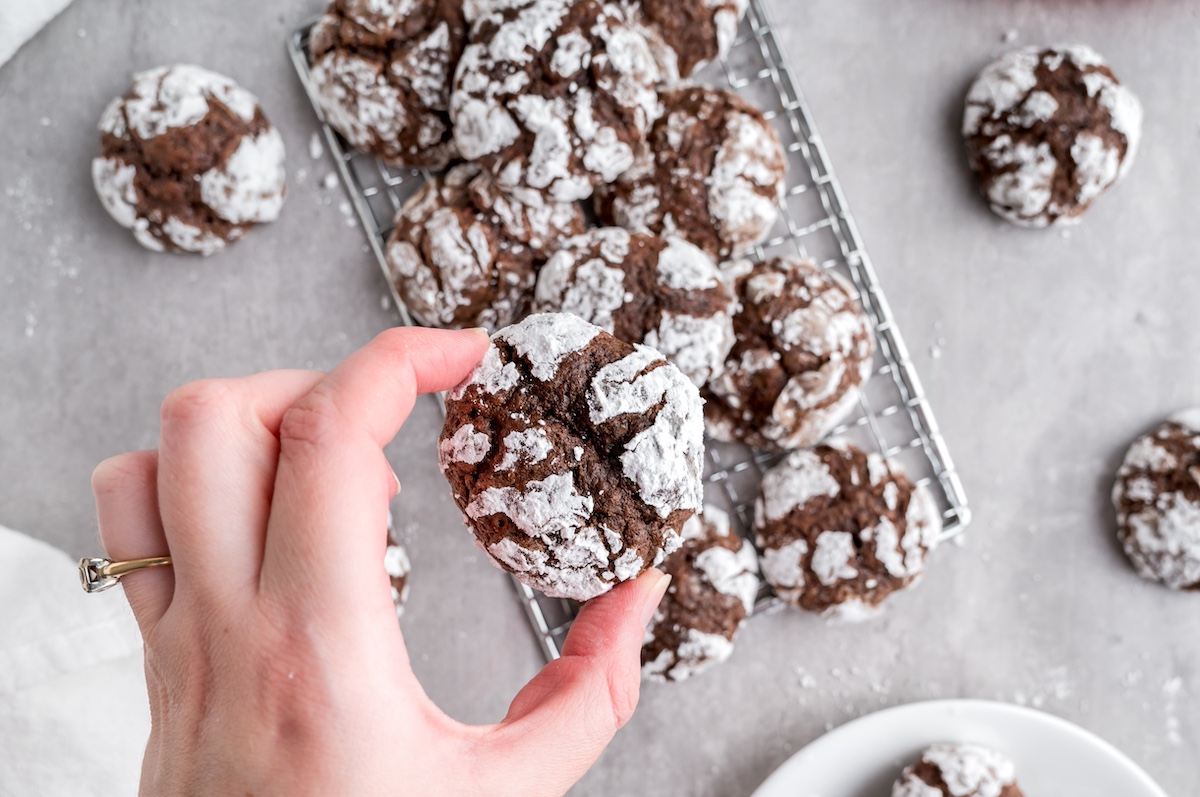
x: 326, y: 534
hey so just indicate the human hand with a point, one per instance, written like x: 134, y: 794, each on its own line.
x: 274, y: 662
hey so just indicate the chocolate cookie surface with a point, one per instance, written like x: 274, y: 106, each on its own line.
x: 641, y: 288
x: 1157, y: 498
x: 397, y: 565
x: 1047, y: 131
x: 553, y: 96
x: 575, y: 457
x: 840, y: 530
x: 463, y: 254
x: 714, y: 580
x: 958, y: 770
x: 713, y: 172
x: 383, y: 71
x: 188, y: 161
x: 687, y: 34
x: 802, y: 353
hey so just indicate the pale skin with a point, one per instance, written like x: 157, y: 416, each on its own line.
x: 274, y: 662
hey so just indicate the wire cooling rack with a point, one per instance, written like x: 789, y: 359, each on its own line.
x: 893, y: 418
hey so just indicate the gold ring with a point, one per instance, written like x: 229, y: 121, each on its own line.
x: 97, y: 575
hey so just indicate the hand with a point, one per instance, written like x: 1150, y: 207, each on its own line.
x: 274, y: 662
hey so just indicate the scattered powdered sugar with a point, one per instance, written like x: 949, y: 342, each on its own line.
x: 528, y: 446
x: 545, y: 339
x: 789, y: 486
x: 250, y: 186
x: 834, y: 556
x: 466, y: 445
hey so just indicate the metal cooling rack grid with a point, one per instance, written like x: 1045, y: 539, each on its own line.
x: 893, y: 418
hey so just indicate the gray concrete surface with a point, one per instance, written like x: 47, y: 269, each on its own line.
x: 1056, y: 349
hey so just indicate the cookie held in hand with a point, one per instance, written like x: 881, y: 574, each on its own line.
x: 575, y: 458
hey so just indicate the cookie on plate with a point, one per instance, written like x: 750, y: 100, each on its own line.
x: 958, y: 770
x: 841, y: 529
x: 383, y: 71
x: 553, y: 96
x: 687, y: 34
x: 188, y: 161
x: 463, y: 254
x: 1157, y: 497
x: 641, y: 288
x: 714, y: 580
x: 575, y: 457
x: 395, y: 562
x: 713, y: 172
x: 1049, y: 129
x: 802, y: 354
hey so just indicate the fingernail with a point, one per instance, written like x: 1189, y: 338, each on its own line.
x: 655, y: 596
x: 481, y: 331
x: 397, y: 478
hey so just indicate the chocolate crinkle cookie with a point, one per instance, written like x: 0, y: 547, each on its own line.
x: 383, y: 71
x: 841, y: 529
x: 1047, y: 131
x: 802, y: 354
x: 958, y: 770
x: 188, y: 161
x: 395, y: 562
x: 687, y: 34
x: 1157, y: 497
x: 463, y: 254
x: 641, y: 288
x: 713, y: 172
x: 553, y: 96
x: 714, y: 580
x: 575, y: 457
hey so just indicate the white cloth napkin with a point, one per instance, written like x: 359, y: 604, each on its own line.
x: 20, y: 19
x: 74, y: 717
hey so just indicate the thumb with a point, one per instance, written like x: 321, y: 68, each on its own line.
x: 563, y: 719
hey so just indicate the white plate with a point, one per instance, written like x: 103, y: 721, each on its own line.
x: 862, y: 758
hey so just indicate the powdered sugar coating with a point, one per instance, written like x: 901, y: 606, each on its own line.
x: 841, y: 529
x: 175, y: 97
x: 714, y: 584
x: 966, y: 770
x: 713, y: 173
x: 803, y: 351
x: 249, y: 187
x: 382, y: 72
x: 188, y: 160
x: 687, y: 34
x: 1040, y: 163
x: 667, y: 294
x: 572, y: 503
x: 463, y: 255
x: 398, y: 567
x: 553, y: 96
x: 1157, y: 499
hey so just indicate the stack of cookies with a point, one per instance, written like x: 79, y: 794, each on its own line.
x: 596, y: 211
